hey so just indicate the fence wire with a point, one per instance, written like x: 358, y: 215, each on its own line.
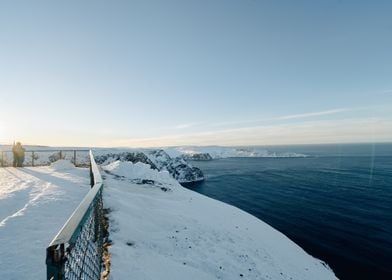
x: 79, y: 158
x: 83, y: 259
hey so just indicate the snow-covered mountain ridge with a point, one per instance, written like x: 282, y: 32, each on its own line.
x: 178, y: 167
x: 216, y: 152
x: 175, y: 159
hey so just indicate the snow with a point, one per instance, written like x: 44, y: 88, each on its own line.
x: 217, y: 152
x: 138, y: 170
x: 35, y: 202
x: 62, y: 165
x: 159, y: 157
x: 161, y: 230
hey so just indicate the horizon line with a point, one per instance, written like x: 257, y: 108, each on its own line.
x: 223, y: 145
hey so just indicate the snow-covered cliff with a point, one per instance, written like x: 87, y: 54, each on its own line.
x: 161, y: 230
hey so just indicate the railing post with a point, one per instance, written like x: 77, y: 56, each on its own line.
x: 96, y: 221
x: 61, y: 154
x: 54, y: 262
x: 91, y: 175
x: 2, y: 159
x: 32, y: 158
x: 75, y: 157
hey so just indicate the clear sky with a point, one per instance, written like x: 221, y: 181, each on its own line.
x: 202, y: 72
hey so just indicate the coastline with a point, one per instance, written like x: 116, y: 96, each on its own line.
x: 177, y: 233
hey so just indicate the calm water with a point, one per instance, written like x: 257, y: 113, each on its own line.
x: 335, y: 205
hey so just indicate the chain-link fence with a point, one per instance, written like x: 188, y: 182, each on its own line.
x: 46, y: 157
x: 76, y: 251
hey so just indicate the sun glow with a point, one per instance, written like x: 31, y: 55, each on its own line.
x: 6, y: 135
x: 2, y: 134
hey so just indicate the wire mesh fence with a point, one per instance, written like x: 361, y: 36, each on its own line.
x: 83, y: 261
x: 46, y: 157
x: 76, y: 251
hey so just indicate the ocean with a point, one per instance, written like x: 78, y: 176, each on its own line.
x: 336, y: 203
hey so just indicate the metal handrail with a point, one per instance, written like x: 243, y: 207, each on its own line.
x: 55, y: 252
x: 70, y: 228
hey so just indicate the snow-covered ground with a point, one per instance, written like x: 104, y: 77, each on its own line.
x: 161, y: 230
x: 34, y: 205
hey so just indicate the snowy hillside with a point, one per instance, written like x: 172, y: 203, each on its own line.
x: 217, y: 152
x: 161, y: 230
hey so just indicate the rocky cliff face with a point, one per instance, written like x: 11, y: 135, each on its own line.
x: 179, y: 168
x: 183, y: 172
x: 159, y: 157
x: 197, y: 156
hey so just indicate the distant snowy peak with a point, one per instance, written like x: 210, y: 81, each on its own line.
x: 216, y: 152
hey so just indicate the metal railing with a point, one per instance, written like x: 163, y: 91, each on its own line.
x: 46, y: 157
x: 76, y: 251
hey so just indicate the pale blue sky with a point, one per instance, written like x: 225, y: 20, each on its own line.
x: 154, y: 73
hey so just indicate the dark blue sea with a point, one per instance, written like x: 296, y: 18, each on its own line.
x: 336, y: 203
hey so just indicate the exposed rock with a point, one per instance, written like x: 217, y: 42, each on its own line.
x: 197, y: 157
x: 183, y: 172
x: 159, y: 157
